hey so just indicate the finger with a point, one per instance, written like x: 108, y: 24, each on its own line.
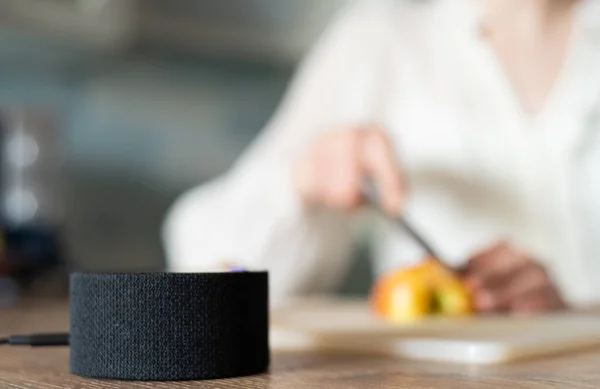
x: 306, y: 182
x: 537, y: 301
x: 532, y: 278
x: 481, y: 257
x: 381, y: 165
x: 496, y: 268
x: 340, y: 172
x: 488, y: 298
x: 505, y: 291
x: 475, y: 260
x: 484, y: 301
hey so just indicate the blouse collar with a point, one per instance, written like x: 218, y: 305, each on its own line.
x: 468, y: 14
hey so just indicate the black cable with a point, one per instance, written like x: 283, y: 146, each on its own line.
x: 37, y: 340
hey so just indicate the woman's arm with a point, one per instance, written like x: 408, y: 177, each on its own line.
x: 252, y: 215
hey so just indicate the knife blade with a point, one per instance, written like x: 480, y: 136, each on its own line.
x: 371, y: 195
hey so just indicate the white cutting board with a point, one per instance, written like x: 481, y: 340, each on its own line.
x: 349, y: 326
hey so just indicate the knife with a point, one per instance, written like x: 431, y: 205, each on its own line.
x: 370, y: 193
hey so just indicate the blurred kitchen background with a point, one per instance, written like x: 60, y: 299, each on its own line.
x: 140, y: 100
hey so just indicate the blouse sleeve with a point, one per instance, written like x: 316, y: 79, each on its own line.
x: 251, y: 215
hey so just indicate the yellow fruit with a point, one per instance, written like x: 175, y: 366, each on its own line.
x: 419, y: 291
x: 452, y: 298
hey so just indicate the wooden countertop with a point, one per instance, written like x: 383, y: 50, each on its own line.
x: 22, y: 368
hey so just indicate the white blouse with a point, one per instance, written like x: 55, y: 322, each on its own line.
x: 480, y: 169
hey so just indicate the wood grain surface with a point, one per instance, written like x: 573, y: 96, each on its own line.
x: 27, y: 368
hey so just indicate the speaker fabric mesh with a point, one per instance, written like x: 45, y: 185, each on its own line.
x: 169, y: 326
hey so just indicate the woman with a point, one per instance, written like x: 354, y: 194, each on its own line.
x: 480, y: 120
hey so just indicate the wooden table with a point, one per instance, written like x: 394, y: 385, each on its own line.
x: 22, y: 368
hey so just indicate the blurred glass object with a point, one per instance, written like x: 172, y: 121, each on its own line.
x: 31, y: 216
x: 9, y: 292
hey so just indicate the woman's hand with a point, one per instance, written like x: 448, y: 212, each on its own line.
x: 503, y: 278
x: 333, y: 171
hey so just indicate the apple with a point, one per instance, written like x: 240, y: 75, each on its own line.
x: 420, y: 291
